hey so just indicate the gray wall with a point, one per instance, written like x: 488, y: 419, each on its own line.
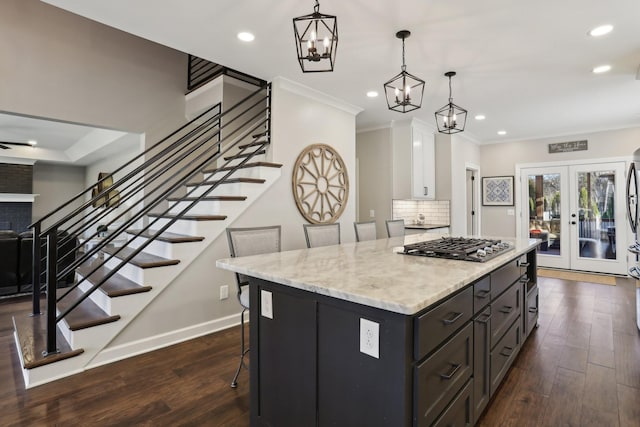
x: 55, y: 184
x: 61, y: 66
x: 501, y: 159
x: 373, y: 150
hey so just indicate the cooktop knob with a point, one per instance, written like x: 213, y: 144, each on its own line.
x: 481, y: 253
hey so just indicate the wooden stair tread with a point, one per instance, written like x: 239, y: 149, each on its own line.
x: 230, y: 181
x: 246, y: 165
x: 238, y: 180
x: 240, y: 156
x: 143, y: 259
x: 191, y: 217
x: 209, y: 199
x: 255, y: 143
x: 167, y: 236
x: 85, y: 315
x: 32, y: 341
x: 116, y: 286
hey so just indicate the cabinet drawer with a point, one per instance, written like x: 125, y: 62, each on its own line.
x: 442, y: 375
x: 503, y: 277
x: 504, y: 353
x: 531, y: 310
x: 433, y: 327
x: 504, y: 311
x: 459, y: 412
x: 481, y: 294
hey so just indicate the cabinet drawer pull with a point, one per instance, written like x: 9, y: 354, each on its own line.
x: 506, y: 309
x: 524, y: 279
x: 483, y: 294
x: 486, y: 319
x: 455, y: 317
x: 452, y: 371
x: 507, y: 351
x: 524, y: 264
x: 426, y: 191
x: 533, y: 309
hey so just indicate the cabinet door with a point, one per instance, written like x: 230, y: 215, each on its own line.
x: 423, y: 177
x: 481, y: 367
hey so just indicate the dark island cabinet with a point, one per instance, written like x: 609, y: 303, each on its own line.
x: 323, y: 361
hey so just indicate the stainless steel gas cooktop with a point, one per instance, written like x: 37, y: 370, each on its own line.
x: 459, y: 248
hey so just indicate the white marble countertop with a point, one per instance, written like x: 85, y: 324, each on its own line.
x: 425, y: 226
x: 372, y: 273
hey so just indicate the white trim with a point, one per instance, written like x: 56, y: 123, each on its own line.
x: 302, y: 90
x: 204, y: 88
x: 573, y: 162
x: 145, y: 345
x: 374, y: 128
x: 16, y: 160
x: 478, y: 192
x: 17, y: 198
x: 536, y: 138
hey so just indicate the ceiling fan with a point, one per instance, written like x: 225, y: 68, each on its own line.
x: 5, y: 144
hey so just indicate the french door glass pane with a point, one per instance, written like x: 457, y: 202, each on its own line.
x: 596, y: 214
x: 544, y: 211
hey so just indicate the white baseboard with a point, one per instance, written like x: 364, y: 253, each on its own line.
x: 124, y: 351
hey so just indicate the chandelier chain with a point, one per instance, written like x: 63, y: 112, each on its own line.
x: 316, y: 8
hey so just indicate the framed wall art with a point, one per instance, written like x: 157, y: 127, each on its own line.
x: 497, y: 191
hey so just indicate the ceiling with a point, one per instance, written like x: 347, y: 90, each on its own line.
x: 525, y: 66
x: 60, y: 142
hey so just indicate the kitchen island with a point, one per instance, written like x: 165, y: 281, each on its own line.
x: 358, y: 334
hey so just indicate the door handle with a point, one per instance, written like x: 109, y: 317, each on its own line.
x: 506, y: 351
x: 506, y: 309
x: 452, y: 371
x: 483, y: 294
x: 455, y: 317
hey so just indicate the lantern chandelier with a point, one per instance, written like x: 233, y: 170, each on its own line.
x: 404, y: 91
x: 316, y: 41
x: 451, y: 118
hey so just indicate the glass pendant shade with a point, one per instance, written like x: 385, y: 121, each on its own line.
x: 404, y: 91
x: 316, y: 41
x: 451, y: 118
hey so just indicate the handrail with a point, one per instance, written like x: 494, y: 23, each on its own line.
x: 201, y: 71
x: 148, y: 181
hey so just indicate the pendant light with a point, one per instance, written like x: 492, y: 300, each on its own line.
x: 404, y: 91
x: 316, y: 41
x: 451, y: 118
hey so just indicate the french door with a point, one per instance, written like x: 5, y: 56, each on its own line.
x: 574, y: 210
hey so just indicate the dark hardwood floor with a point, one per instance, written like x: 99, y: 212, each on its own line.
x: 581, y: 367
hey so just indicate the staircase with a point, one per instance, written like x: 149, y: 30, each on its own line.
x: 163, y: 209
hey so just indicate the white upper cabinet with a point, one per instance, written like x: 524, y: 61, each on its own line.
x: 414, y: 174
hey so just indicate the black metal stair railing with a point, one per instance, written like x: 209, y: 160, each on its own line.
x: 142, y: 187
x: 201, y: 71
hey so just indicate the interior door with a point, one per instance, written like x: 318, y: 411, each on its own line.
x: 575, y: 211
x: 598, y: 222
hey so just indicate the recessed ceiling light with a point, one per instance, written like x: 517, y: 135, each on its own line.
x: 502, y: 132
x: 246, y: 37
x: 32, y: 142
x: 601, y: 69
x: 480, y: 117
x: 601, y: 30
x: 372, y: 94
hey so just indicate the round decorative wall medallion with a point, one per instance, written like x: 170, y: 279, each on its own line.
x: 320, y: 184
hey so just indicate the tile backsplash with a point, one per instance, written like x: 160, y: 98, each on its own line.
x: 434, y: 211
